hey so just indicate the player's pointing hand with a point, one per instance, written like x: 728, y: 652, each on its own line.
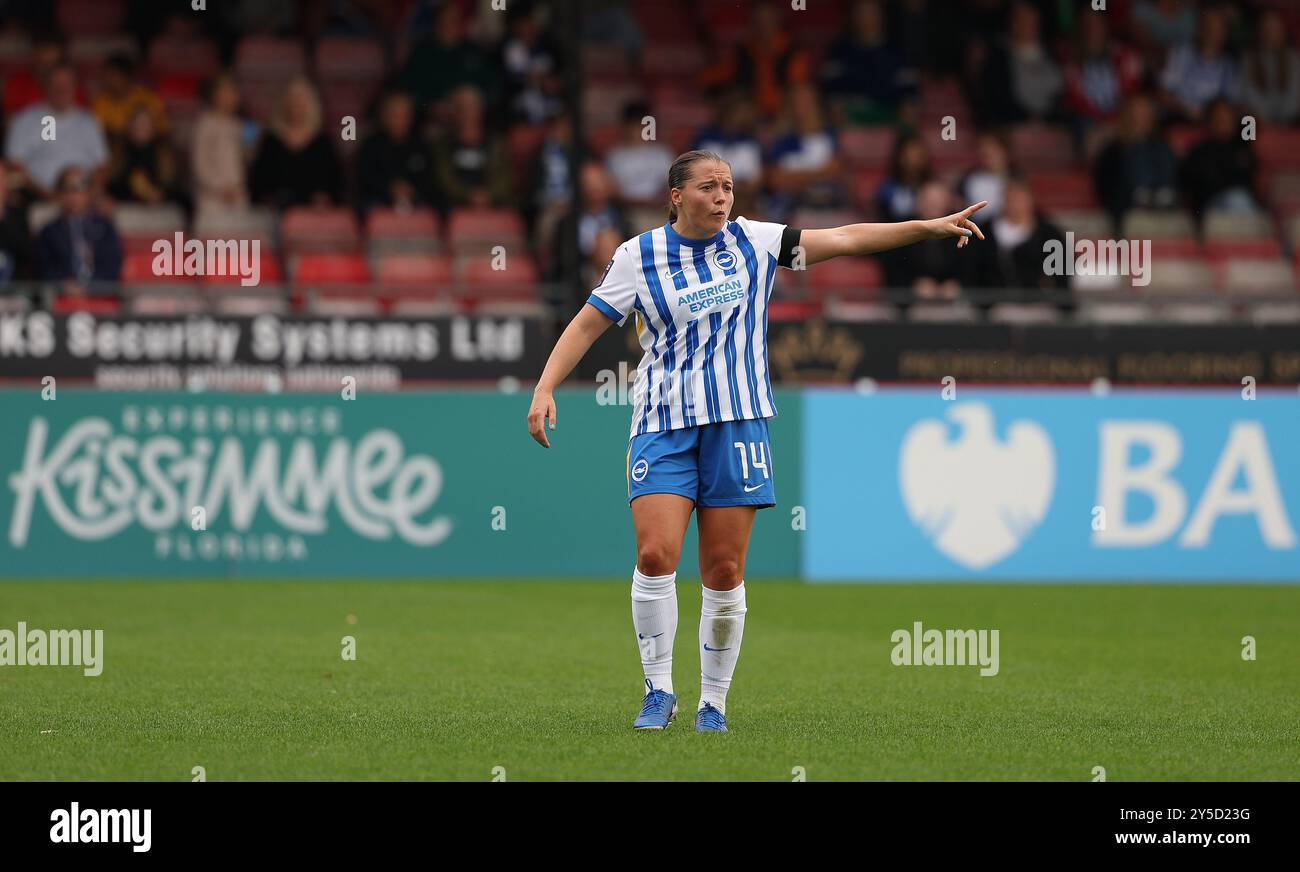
x: 541, y: 411
x: 957, y: 224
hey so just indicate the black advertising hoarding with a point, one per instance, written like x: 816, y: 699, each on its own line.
x: 817, y: 350
x: 268, y: 352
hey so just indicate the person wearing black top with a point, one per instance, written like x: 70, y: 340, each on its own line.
x: 296, y: 164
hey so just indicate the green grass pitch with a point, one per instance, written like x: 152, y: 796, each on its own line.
x: 455, y: 678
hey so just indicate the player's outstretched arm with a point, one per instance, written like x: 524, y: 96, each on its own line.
x: 857, y: 239
x: 573, y: 343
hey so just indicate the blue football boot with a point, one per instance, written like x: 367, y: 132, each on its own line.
x: 709, y: 720
x: 658, y: 709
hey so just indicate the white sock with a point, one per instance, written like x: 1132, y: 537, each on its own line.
x: 654, y: 616
x: 722, y: 624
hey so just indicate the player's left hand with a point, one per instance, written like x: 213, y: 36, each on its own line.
x: 957, y: 224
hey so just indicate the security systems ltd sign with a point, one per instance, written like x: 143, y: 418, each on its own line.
x: 264, y: 352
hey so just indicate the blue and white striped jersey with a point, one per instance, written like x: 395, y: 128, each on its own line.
x: 701, y: 316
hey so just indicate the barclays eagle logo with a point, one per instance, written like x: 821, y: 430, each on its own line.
x: 976, y: 499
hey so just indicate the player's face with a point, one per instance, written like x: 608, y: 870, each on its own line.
x: 708, y: 196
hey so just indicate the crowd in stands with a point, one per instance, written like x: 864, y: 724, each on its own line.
x: 1124, y: 122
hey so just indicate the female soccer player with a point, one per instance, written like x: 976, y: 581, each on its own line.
x: 699, y: 286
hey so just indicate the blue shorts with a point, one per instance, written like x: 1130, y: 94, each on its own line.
x: 724, y: 464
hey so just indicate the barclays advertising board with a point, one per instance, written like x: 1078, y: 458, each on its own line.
x: 1036, y: 485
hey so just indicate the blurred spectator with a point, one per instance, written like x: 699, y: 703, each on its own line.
x: 611, y: 22
x: 395, y: 166
x: 44, y: 151
x: 530, y: 60
x: 735, y: 136
x: 865, y: 78
x: 1198, y: 73
x: 120, y: 97
x: 598, y: 220
x: 909, y: 169
x: 989, y: 178
x: 1102, y: 75
x: 804, y: 167
x: 471, y: 165
x: 552, y: 178
x: 1012, y: 254
x: 766, y: 64
x: 16, y: 253
x: 1138, y: 168
x: 1219, y: 173
x: 296, y: 163
x: 217, y: 149
x: 80, y: 245
x: 1018, y: 81
x: 931, y: 269
x: 639, y: 166
x: 1163, y: 25
x: 606, y: 244
x: 26, y: 85
x: 447, y: 60
x: 1269, y: 82
x: 143, y: 166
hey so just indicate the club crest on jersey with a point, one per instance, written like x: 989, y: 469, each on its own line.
x: 725, y: 261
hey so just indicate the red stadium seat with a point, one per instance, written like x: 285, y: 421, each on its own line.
x: 866, y: 185
x: 269, y: 272
x: 869, y: 147
x: 1278, y: 146
x: 518, y: 281
x: 268, y: 59
x: 349, y: 59
x: 196, y: 58
x: 1176, y: 248
x: 310, y: 229
x: 333, y: 269
x: 402, y: 224
x: 423, y: 270
x: 94, y: 305
x: 1042, y: 147
x: 674, y: 59
x: 525, y: 141
x: 137, y: 266
x: 1230, y: 249
x: 1063, y: 189
x: 856, y: 278
x: 481, y: 229
x: 1240, y: 278
x: 86, y: 17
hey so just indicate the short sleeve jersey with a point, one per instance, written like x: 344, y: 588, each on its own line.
x: 701, y: 315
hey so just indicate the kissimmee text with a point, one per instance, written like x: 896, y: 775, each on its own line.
x: 95, y: 482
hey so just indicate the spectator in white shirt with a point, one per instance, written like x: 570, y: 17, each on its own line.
x: 47, y: 138
x: 639, y: 165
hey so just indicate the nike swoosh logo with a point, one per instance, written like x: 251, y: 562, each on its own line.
x: 707, y: 648
x: 655, y: 636
x: 754, y: 488
x: 672, y: 276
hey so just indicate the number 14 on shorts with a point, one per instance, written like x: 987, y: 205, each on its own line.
x: 757, y: 458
